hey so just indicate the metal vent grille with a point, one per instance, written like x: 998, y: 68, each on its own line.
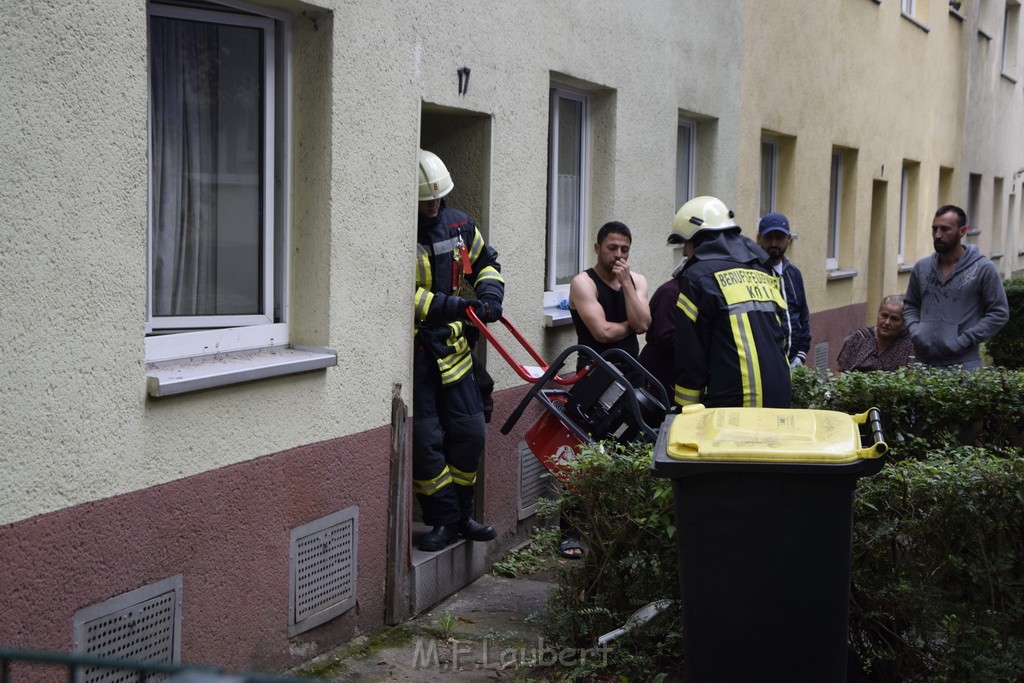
x: 143, y: 625
x: 534, y: 481
x: 821, y: 355
x: 323, y: 570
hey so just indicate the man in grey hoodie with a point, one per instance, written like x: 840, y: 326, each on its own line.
x: 955, y: 299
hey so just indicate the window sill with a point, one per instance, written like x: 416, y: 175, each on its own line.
x: 841, y: 274
x: 915, y: 22
x: 1008, y: 77
x: 168, y: 378
x: 984, y: 34
x: 996, y: 256
x: 956, y: 13
x: 556, y: 317
x: 904, y: 268
x: 973, y: 231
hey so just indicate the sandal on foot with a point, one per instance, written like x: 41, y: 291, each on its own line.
x: 570, y: 549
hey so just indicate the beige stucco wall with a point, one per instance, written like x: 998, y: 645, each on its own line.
x: 994, y: 140
x: 859, y: 76
x: 77, y: 423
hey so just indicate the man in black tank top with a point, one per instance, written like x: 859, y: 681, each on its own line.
x: 608, y: 303
x: 609, y: 309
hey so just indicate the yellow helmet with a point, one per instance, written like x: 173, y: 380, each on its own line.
x: 698, y: 214
x: 434, y: 180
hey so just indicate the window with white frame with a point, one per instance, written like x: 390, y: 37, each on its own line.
x: 769, y: 174
x: 1008, y: 61
x: 567, y: 186
x: 218, y: 185
x: 904, y: 196
x: 686, y: 160
x: 835, y: 192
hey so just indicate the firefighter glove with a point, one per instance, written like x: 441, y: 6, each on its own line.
x: 455, y: 307
x: 491, y: 309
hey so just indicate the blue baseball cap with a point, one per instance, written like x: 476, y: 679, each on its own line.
x: 773, y: 221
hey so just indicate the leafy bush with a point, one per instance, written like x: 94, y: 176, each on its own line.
x: 941, y: 407
x: 1007, y: 347
x: 624, y: 518
x: 938, y: 567
x: 938, y: 546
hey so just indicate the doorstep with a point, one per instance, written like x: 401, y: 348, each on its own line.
x: 436, y: 575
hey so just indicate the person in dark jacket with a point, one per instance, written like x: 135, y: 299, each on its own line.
x: 955, y: 298
x: 448, y: 421
x: 730, y: 346
x: 774, y: 236
x: 658, y: 354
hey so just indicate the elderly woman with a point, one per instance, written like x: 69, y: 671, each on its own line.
x: 886, y: 346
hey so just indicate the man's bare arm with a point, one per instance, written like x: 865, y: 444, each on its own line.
x: 634, y: 289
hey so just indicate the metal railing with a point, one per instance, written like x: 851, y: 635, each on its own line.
x: 76, y: 667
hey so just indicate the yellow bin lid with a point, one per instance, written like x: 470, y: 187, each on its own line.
x: 770, y: 435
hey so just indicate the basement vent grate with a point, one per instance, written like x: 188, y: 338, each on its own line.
x: 534, y: 481
x: 143, y: 625
x: 821, y: 355
x: 322, y: 570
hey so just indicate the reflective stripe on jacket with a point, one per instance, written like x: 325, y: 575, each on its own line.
x: 440, y: 273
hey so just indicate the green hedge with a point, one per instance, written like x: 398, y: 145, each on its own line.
x: 938, y: 547
x: 925, y: 407
x: 624, y: 519
x: 938, y: 568
x: 1007, y: 347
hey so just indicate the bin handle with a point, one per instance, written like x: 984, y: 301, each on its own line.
x: 873, y: 418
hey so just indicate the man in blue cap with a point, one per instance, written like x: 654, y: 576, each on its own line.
x: 774, y: 236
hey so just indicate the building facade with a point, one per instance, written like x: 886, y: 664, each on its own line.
x: 195, y: 421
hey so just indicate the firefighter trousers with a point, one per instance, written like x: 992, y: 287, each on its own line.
x: 448, y: 433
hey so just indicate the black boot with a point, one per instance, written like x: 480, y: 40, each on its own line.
x: 440, y: 536
x: 475, y: 531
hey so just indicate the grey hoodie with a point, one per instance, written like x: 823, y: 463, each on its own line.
x: 947, y: 320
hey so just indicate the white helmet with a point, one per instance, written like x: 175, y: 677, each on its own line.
x: 697, y: 215
x: 434, y: 179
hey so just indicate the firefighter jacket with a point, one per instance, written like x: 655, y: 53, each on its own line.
x: 450, y: 253
x: 730, y: 346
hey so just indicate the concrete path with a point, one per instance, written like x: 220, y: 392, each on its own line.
x: 478, y: 634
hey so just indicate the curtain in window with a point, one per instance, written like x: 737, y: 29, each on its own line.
x: 184, y: 80
x: 570, y: 175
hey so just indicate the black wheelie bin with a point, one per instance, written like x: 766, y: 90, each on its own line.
x: 764, y: 512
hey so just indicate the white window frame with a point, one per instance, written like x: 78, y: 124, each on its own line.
x: 1008, y: 58
x: 902, y: 239
x: 908, y: 7
x: 835, y: 214
x: 686, y: 160
x: 768, y: 185
x: 180, y: 337
x: 558, y: 93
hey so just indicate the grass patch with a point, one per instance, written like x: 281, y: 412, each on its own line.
x: 381, y: 638
x: 539, y: 554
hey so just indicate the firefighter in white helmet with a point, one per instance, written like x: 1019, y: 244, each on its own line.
x: 730, y: 347
x: 455, y: 269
